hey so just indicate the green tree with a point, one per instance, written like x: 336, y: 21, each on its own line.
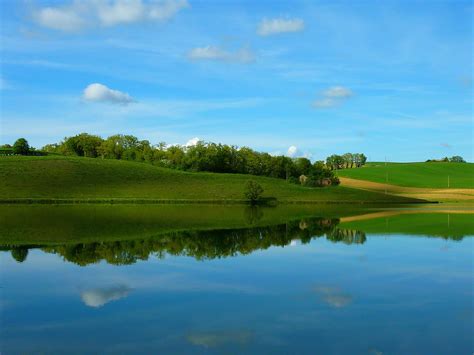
x: 457, y: 159
x: 348, y: 160
x: 253, y: 191
x: 21, y: 147
x: 83, y: 145
x: 303, y: 166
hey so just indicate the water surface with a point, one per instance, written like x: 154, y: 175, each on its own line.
x: 228, y: 279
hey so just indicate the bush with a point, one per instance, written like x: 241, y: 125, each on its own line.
x: 21, y: 147
x: 253, y: 191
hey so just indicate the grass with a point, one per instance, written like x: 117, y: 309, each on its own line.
x: 54, y: 178
x: 422, y: 175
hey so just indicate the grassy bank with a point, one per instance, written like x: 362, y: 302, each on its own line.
x: 72, y: 179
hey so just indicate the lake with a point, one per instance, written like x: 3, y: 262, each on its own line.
x: 296, y: 279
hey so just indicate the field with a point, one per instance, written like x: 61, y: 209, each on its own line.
x: 424, y: 175
x: 427, y: 181
x: 56, y: 177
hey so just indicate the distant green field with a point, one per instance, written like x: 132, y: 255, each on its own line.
x: 58, y: 177
x: 428, y: 175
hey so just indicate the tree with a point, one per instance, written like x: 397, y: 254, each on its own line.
x: 457, y: 159
x: 359, y: 159
x: 253, y: 191
x: 21, y: 147
x: 303, y: 166
x: 83, y: 145
x: 348, y: 159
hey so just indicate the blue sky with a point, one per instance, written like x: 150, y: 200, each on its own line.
x: 392, y: 79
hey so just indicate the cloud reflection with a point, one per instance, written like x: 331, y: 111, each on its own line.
x: 100, y: 296
x: 212, y: 340
x: 333, y: 296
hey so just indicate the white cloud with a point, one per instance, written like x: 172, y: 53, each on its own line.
x: 101, y: 93
x: 324, y: 102
x: 274, y: 26
x: 62, y: 18
x: 192, y: 142
x: 100, y: 296
x: 243, y: 55
x: 338, y: 92
x: 293, y: 151
x: 110, y: 14
x: 332, y: 96
x: 92, y: 13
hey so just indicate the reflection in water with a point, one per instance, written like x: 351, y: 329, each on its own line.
x: 213, y: 340
x: 99, y: 296
x: 209, y: 244
x: 333, y: 296
x: 19, y: 253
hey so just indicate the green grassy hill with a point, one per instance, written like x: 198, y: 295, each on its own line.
x: 58, y: 177
x: 426, y: 175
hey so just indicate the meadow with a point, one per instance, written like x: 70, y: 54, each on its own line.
x: 423, y: 175
x: 75, y: 179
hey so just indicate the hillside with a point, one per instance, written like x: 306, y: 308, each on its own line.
x: 58, y: 177
x: 423, y: 175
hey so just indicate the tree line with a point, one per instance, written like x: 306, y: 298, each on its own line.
x: 453, y: 159
x: 203, y: 156
x: 345, y: 161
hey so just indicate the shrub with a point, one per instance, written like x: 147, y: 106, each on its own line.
x: 253, y: 191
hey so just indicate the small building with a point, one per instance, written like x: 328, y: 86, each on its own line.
x: 303, y: 179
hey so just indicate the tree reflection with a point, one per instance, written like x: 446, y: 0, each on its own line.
x: 202, y: 245
x: 19, y: 253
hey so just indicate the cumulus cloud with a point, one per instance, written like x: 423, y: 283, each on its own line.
x: 100, y: 93
x: 275, y: 26
x: 293, y: 152
x: 100, y: 296
x: 192, y: 142
x: 242, y: 55
x: 90, y: 13
x: 332, y: 96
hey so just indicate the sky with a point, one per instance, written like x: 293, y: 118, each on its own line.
x: 391, y: 79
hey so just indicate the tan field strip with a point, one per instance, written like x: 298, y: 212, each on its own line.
x: 464, y: 195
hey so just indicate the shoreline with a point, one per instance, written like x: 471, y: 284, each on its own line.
x: 139, y: 201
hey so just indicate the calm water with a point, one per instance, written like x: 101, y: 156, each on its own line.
x: 174, y: 279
